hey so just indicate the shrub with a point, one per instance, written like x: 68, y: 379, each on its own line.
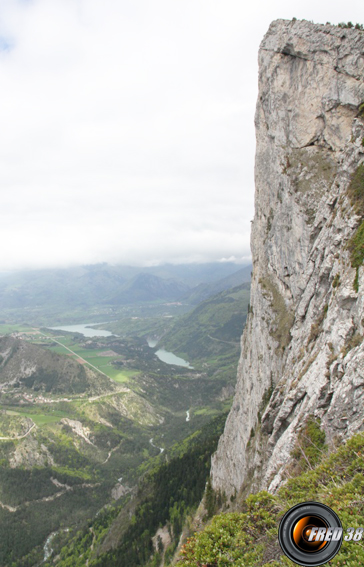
x: 336, y: 281
x: 310, y: 446
x: 356, y: 243
x: 249, y: 538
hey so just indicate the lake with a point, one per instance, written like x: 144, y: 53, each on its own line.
x: 88, y: 331
x: 168, y: 357
x: 85, y: 329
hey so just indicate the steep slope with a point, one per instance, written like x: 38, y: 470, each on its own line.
x: 25, y: 365
x: 249, y: 538
x: 205, y: 290
x: 302, y: 349
x: 212, y: 328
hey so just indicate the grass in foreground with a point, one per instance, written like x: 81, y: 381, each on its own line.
x: 249, y: 538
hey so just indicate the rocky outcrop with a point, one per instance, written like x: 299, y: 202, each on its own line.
x: 302, y: 350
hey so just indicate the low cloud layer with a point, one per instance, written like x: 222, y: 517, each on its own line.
x: 127, y: 128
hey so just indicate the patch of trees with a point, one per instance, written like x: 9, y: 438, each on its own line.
x: 173, y: 490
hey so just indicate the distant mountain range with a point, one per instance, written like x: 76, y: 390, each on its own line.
x: 147, y: 287
x: 205, y: 290
x: 84, y: 286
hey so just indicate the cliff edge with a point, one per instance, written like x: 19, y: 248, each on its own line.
x: 302, y: 350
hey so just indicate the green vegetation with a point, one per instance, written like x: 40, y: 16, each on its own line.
x: 76, y: 482
x: 98, y: 358
x: 356, y: 243
x: 89, y: 434
x: 356, y: 190
x: 101, y: 292
x: 166, y: 496
x: 204, y: 291
x: 45, y: 418
x: 39, y: 506
x: 316, y: 327
x: 12, y: 425
x: 209, y: 336
x: 6, y: 328
x: 46, y: 372
x: 356, y: 247
x: 310, y: 446
x: 351, y: 343
x: 284, y: 318
x: 350, y: 25
x: 249, y: 538
x: 88, y: 444
x: 234, y: 539
x: 336, y: 281
x: 140, y: 323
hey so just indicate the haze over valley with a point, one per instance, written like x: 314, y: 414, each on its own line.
x: 181, y: 278
x: 107, y: 372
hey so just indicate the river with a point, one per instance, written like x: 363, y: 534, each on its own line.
x: 48, y: 550
x: 161, y: 450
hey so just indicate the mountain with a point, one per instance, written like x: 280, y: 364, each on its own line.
x: 26, y: 365
x: 65, y: 288
x: 205, y: 290
x: 194, y: 274
x: 52, y: 291
x: 147, y: 287
x: 299, y: 394
x: 302, y: 348
x: 213, y: 328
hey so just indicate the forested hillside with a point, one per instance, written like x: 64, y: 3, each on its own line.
x: 128, y: 534
x: 96, y: 431
x: 213, y: 328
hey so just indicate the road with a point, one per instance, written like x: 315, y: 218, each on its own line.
x: 110, y: 453
x: 18, y: 436
x: 226, y: 342
x: 74, y: 353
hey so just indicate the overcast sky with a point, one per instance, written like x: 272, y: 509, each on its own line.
x: 127, y: 127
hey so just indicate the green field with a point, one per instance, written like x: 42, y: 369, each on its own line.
x: 94, y: 357
x: 117, y: 376
x: 44, y: 419
x: 7, y: 328
x: 39, y: 418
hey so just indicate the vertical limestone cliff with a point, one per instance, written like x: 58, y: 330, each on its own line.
x: 302, y: 350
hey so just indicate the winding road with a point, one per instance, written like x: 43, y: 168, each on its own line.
x: 18, y: 436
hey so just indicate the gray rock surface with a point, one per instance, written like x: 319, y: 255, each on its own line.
x: 302, y: 350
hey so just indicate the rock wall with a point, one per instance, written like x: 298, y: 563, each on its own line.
x: 302, y: 350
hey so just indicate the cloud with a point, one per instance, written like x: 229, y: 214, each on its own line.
x: 128, y: 127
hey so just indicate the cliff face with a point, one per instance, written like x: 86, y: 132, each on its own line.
x: 302, y: 350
